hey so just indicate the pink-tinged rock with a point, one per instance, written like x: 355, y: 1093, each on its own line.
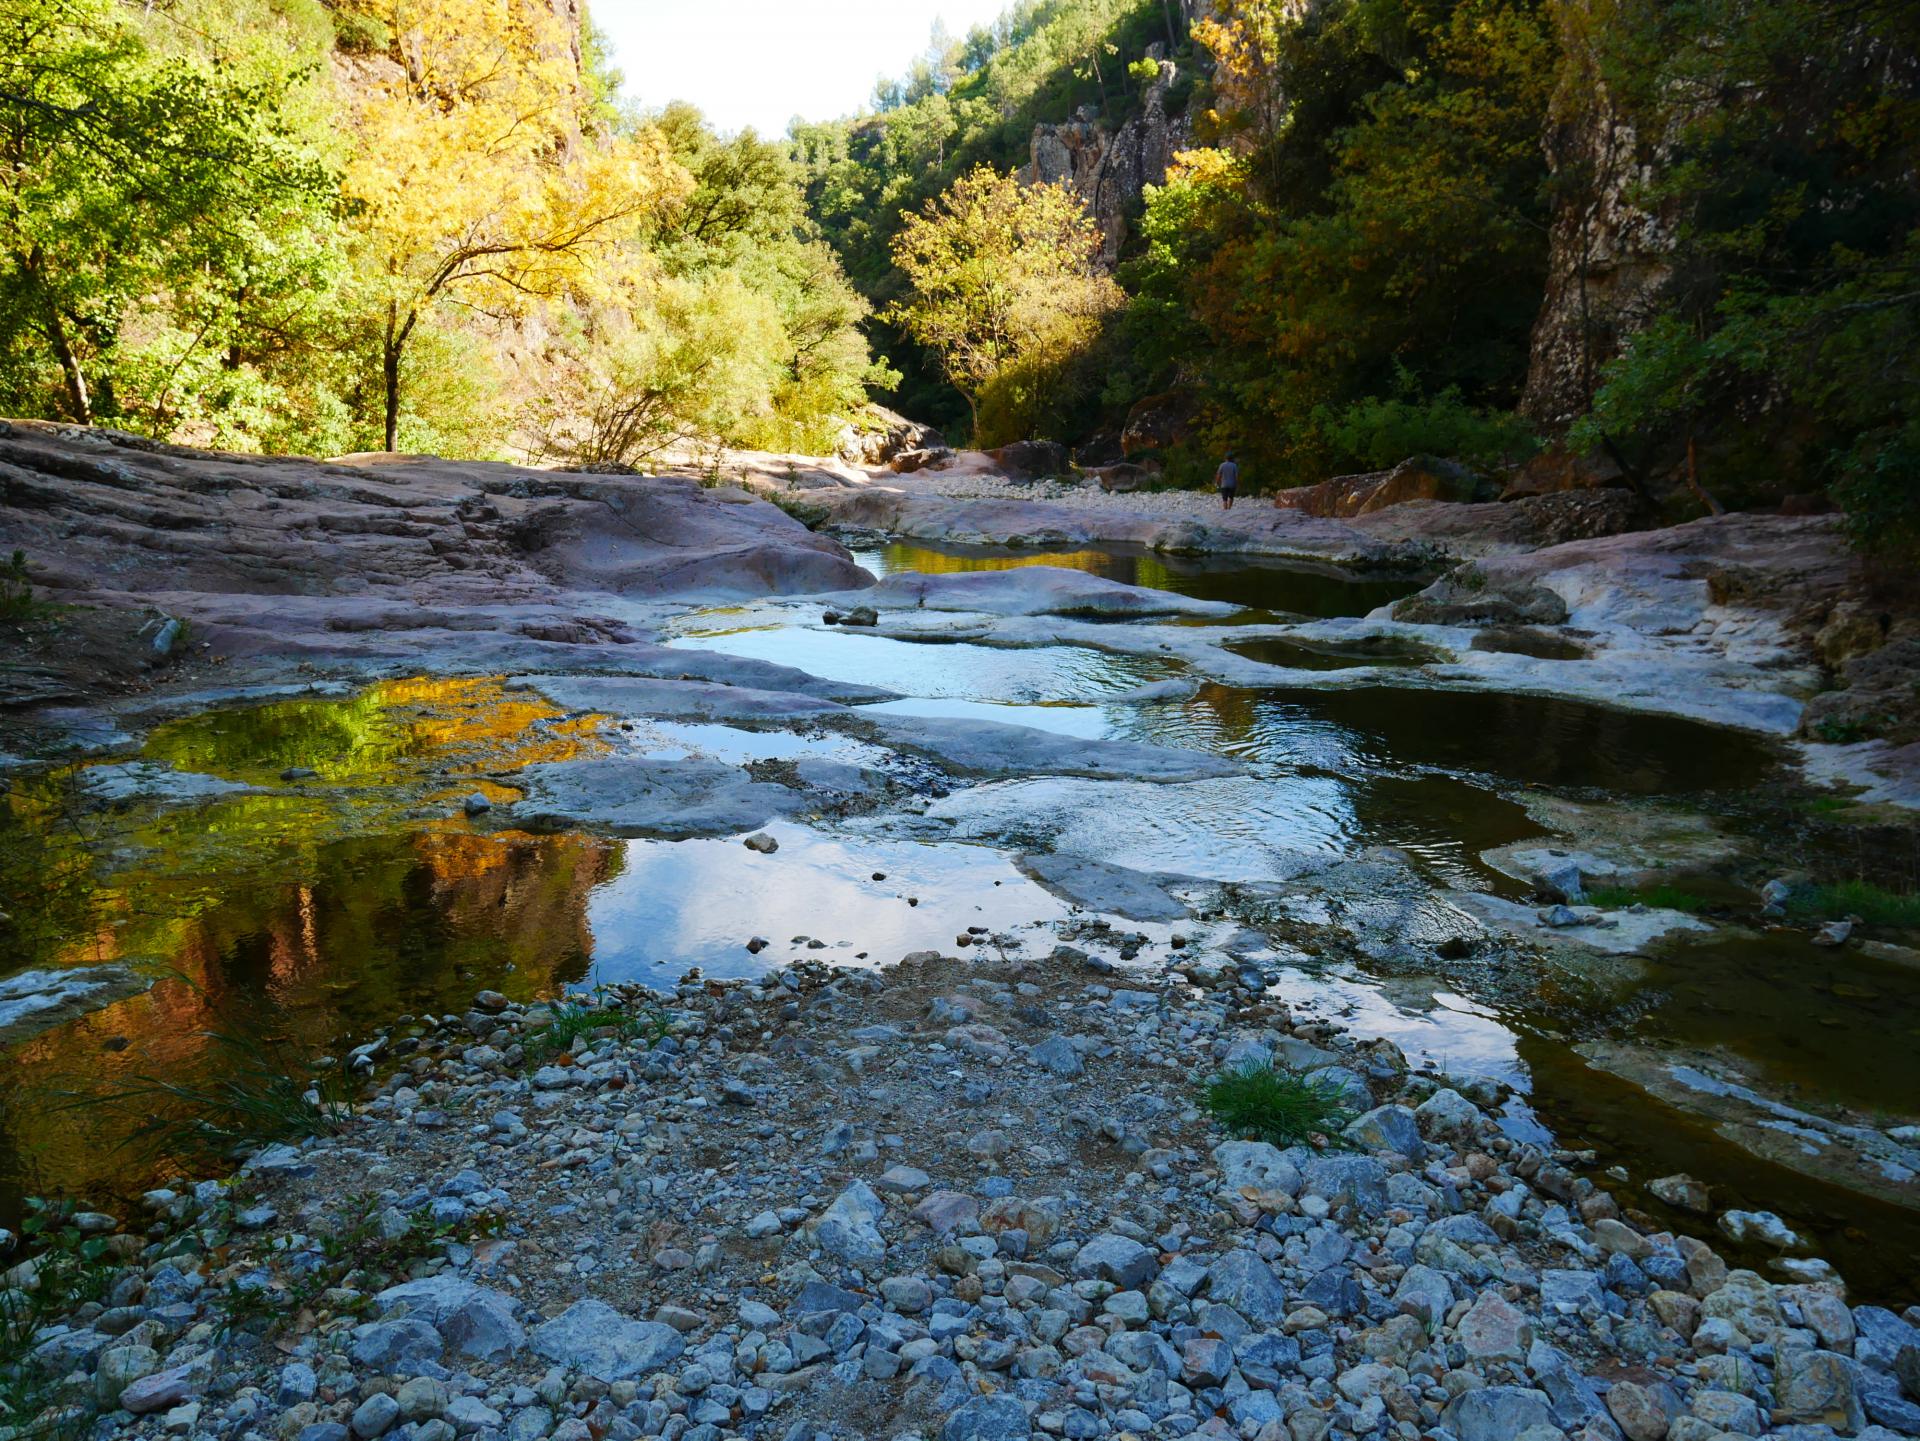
x: 158, y: 1392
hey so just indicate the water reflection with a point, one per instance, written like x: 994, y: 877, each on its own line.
x: 681, y: 903
x: 940, y: 669
x: 1297, y: 589
x: 315, y: 948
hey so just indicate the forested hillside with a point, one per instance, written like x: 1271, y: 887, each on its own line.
x: 416, y: 224
x: 1679, y: 238
x: 1671, y: 245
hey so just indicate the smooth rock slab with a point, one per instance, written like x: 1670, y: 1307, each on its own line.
x: 591, y: 1336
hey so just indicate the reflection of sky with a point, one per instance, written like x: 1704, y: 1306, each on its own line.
x: 953, y: 668
x: 1458, y: 1035
x: 678, y: 904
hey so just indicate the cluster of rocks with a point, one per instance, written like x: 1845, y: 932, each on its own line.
x: 967, y: 1199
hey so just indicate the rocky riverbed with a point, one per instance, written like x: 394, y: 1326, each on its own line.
x: 965, y: 1196
x: 1148, y: 829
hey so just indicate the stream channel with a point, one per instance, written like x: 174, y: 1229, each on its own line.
x: 310, y: 917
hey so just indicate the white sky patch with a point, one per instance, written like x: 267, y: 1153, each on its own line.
x: 760, y: 63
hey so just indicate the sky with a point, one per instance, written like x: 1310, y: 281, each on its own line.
x: 761, y: 62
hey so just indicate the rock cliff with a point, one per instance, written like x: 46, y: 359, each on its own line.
x: 1111, y: 169
x: 1607, y: 261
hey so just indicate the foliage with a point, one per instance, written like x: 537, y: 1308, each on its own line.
x: 1786, y: 336
x: 1370, y: 222
x: 129, y: 172
x: 1007, y: 290
x: 1263, y: 1102
x: 1873, y: 904
x: 1664, y: 897
x: 16, y: 590
x: 1377, y: 432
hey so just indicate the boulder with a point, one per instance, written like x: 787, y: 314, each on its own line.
x: 1157, y: 423
x: 876, y: 435
x: 1420, y: 477
x: 1388, y: 1128
x: 1815, y: 1388
x: 1031, y: 459
x: 476, y: 1322
x: 1496, y: 1413
x: 1255, y: 1166
x: 591, y: 1336
x: 849, y: 1229
x: 1240, y: 1279
x: 1116, y: 1258
x: 1125, y: 477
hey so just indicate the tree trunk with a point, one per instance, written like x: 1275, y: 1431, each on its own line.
x: 76, y: 380
x: 1173, y: 43
x: 396, y: 339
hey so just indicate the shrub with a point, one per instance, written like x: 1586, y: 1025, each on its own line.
x: 357, y: 33
x: 1380, y: 432
x: 1267, y: 1103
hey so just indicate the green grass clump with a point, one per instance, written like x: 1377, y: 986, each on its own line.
x: 1875, y: 905
x: 570, y: 1020
x: 1267, y: 1103
x: 1661, y: 897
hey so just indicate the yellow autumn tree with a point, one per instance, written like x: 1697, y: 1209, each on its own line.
x: 470, y: 180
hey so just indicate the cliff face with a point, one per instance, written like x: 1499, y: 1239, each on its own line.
x: 1109, y: 169
x: 1608, y: 259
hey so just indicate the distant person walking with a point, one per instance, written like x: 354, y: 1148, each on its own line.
x: 1227, y: 477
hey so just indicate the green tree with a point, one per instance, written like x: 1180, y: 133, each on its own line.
x: 1004, y: 278
x: 124, y: 173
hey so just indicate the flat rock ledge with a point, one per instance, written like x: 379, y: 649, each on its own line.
x: 969, y: 1201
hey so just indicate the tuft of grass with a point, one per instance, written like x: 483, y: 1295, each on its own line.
x: 568, y: 1021
x: 1275, y: 1104
x: 69, y: 1270
x: 16, y: 590
x: 258, y: 1096
x: 1661, y: 897
x: 1876, y: 905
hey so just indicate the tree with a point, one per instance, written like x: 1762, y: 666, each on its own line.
x: 1002, y: 276
x: 124, y: 173
x: 470, y: 181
